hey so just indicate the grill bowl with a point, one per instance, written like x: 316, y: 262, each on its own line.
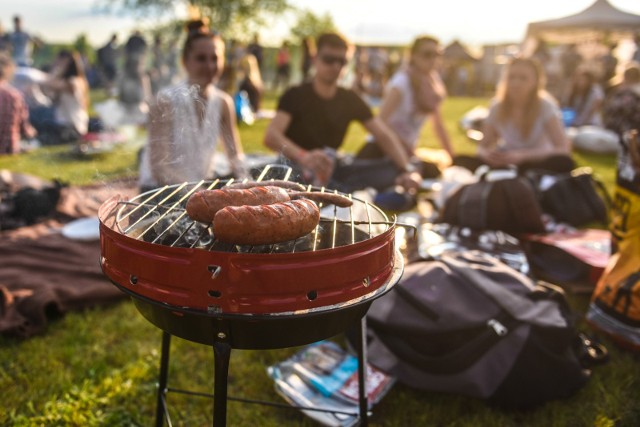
x: 239, y: 281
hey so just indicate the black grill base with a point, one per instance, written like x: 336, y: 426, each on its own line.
x: 222, y: 354
x: 253, y: 332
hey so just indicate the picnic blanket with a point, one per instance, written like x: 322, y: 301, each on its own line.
x: 44, y: 274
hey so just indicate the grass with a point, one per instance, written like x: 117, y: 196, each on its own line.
x: 99, y: 367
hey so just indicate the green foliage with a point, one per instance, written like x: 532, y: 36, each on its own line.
x: 309, y: 24
x: 81, y: 44
x: 222, y: 14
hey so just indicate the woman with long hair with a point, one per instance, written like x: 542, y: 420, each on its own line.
x: 524, y: 126
x: 189, y: 120
x: 68, y: 88
x: 412, y: 96
x: 585, y: 99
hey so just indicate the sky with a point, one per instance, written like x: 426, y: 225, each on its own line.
x: 364, y: 21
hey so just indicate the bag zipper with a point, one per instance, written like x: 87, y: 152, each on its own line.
x: 497, y: 327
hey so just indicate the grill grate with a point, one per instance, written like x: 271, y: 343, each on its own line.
x: 159, y: 217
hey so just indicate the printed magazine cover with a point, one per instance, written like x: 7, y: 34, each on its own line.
x: 322, y: 379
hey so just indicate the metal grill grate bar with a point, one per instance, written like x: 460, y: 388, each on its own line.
x: 166, y: 221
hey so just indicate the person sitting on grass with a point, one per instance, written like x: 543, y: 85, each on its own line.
x: 14, y: 114
x: 188, y: 120
x: 311, y: 122
x: 524, y: 127
x: 67, y: 86
x: 413, y: 95
x: 585, y: 98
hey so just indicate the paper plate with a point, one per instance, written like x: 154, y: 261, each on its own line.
x: 82, y: 229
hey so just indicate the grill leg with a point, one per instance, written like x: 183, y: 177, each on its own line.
x: 361, y: 349
x: 162, y: 382
x: 222, y: 354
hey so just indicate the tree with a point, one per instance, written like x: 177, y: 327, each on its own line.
x: 222, y: 14
x: 81, y: 44
x: 311, y: 25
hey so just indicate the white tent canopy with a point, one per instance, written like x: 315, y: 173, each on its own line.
x: 598, y: 21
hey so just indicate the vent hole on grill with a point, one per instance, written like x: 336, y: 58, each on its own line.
x: 215, y: 294
x: 133, y: 279
x: 214, y: 270
x: 312, y: 295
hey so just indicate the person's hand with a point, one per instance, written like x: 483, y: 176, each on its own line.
x: 319, y: 164
x: 500, y: 158
x: 410, y: 181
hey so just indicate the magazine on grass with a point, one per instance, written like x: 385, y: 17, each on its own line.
x: 324, y: 376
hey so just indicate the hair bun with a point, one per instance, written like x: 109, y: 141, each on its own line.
x: 197, y: 26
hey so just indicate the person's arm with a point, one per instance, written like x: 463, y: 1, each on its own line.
x: 231, y: 139
x: 393, y: 148
x: 390, y: 103
x: 553, y: 127
x: 57, y: 84
x: 316, y: 161
x: 489, y: 140
x: 488, y: 150
x: 26, y: 130
x: 559, y: 139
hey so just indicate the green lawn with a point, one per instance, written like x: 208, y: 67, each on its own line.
x: 99, y: 367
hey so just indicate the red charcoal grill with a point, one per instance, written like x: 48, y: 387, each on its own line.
x: 190, y: 285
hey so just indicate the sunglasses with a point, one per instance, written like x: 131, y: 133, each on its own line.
x: 430, y: 54
x: 204, y: 58
x: 332, y: 60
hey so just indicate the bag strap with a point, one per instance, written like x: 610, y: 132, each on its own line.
x: 543, y: 313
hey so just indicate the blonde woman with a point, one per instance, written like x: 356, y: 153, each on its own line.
x: 524, y: 127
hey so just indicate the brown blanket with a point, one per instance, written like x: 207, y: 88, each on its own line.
x: 43, y: 274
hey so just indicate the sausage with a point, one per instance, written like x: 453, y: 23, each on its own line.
x: 266, y: 224
x: 323, y: 197
x: 203, y: 205
x: 289, y: 185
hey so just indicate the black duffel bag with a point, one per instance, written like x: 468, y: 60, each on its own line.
x: 509, y: 204
x: 576, y: 198
x: 471, y: 325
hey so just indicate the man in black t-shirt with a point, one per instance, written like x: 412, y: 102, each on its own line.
x: 312, y: 120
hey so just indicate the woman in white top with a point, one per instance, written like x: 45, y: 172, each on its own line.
x: 69, y: 90
x: 188, y: 120
x: 524, y: 127
x: 413, y: 95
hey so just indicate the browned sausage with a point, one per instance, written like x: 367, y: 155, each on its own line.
x: 289, y: 185
x: 203, y: 205
x: 323, y: 197
x: 266, y: 224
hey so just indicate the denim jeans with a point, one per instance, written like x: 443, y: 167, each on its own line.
x: 352, y: 174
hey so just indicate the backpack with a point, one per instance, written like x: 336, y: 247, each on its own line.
x: 469, y: 324
x: 508, y: 204
x: 576, y: 198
